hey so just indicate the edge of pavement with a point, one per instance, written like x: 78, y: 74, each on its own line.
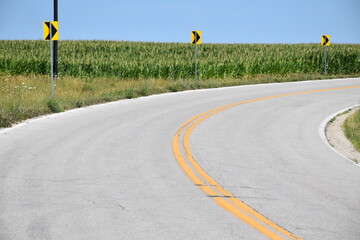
x: 324, y: 138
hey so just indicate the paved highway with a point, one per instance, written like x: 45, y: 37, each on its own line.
x: 138, y: 169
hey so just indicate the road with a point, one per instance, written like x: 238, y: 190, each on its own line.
x: 112, y: 171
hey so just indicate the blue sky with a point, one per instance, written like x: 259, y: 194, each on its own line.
x: 225, y: 21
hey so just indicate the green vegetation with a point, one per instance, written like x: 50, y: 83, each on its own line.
x: 352, y: 129
x: 92, y: 72
x: 136, y: 60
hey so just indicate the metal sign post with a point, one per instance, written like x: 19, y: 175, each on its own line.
x: 195, y: 38
x: 55, y: 54
x: 51, y: 34
x: 325, y: 41
x: 51, y: 64
x: 196, y: 61
x: 325, y: 59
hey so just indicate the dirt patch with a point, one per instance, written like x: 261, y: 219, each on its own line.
x: 337, y: 138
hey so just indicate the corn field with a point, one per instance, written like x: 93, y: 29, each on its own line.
x: 140, y: 60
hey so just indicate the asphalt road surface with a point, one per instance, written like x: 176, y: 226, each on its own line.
x: 124, y: 170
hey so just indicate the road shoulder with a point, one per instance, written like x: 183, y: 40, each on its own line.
x: 337, y: 138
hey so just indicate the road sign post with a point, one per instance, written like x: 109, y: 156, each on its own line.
x: 325, y: 59
x: 195, y: 61
x: 51, y: 34
x: 51, y: 64
x: 195, y: 39
x: 55, y: 50
x: 325, y: 41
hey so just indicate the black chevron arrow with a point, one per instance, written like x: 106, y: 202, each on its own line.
x: 326, y: 40
x: 53, y: 30
x: 196, y: 37
x: 48, y: 25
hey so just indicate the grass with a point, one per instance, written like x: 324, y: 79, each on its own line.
x: 28, y: 96
x: 338, y: 115
x: 93, y: 72
x: 352, y: 129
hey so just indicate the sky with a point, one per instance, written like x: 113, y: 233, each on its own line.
x: 221, y: 21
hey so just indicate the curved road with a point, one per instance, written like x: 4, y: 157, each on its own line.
x: 113, y: 171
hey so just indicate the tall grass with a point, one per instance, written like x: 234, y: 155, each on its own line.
x: 352, y: 129
x: 140, y: 60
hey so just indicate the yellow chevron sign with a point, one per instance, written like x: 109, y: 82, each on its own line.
x: 325, y: 40
x: 54, y: 30
x: 195, y: 37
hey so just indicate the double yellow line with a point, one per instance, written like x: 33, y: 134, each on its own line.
x: 211, y: 188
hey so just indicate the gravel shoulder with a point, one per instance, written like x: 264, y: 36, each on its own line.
x: 337, y: 138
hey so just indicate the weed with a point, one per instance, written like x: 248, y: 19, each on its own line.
x: 87, y: 88
x: 54, y: 106
x: 177, y: 87
x: 130, y: 93
x: 79, y: 103
x: 4, y: 121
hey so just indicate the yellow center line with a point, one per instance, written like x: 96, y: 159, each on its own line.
x: 211, y: 188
